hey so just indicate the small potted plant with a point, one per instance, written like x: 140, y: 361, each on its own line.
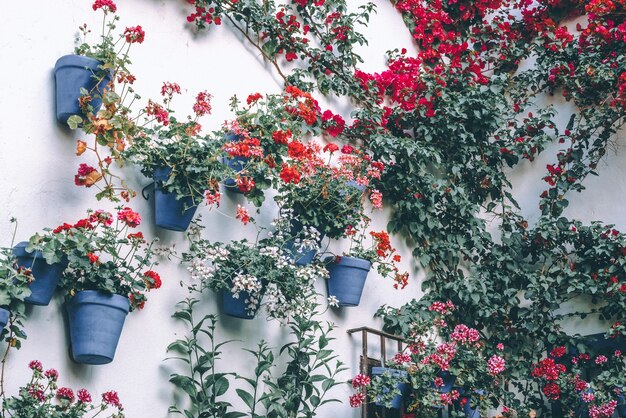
x: 256, y: 142
x: 43, y: 397
x: 83, y: 78
x: 183, y: 163
x: 245, y: 273
x: 109, y: 272
x: 348, y: 273
x: 109, y: 130
x: 325, y: 195
x: 444, y: 365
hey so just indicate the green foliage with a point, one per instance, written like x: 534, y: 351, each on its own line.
x: 311, y: 370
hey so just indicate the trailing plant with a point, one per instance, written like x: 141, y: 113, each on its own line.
x: 103, y: 255
x: 257, y: 271
x: 42, y: 397
x: 297, y: 391
x: 319, y: 36
x: 113, y: 127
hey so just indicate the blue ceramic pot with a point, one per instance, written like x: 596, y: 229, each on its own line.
x: 170, y: 212
x: 237, y: 306
x: 46, y: 275
x: 4, y: 318
x: 347, y: 279
x: 448, y: 381
x: 96, y: 320
x: 73, y: 72
x: 301, y: 257
x: 396, y: 403
x: 621, y: 405
x: 234, y: 163
x: 237, y: 164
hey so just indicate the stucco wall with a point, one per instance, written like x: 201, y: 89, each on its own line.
x: 37, y: 165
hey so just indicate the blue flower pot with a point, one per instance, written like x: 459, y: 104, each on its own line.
x: 347, y: 279
x: 46, y: 275
x: 234, y: 163
x: 621, y: 405
x: 4, y: 318
x: 73, y: 72
x: 396, y: 403
x: 448, y: 381
x: 301, y: 257
x: 236, y: 306
x: 96, y: 320
x: 170, y: 212
x: 237, y: 164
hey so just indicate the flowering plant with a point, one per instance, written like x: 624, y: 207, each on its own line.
x: 592, y: 380
x: 438, y: 351
x: 262, y: 134
x: 112, y: 127
x: 380, y: 253
x: 42, y: 397
x: 167, y: 143
x: 14, y: 282
x: 264, y: 269
x: 323, y: 195
x: 104, y: 255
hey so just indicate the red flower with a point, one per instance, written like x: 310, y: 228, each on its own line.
x: 129, y: 217
x: 331, y: 148
x: 242, y: 215
x: 347, y: 149
x: 138, y: 236
x: 86, y: 176
x: 290, y: 174
x: 203, y: 104
x: 65, y: 393
x: 245, y: 184
x: 253, y: 98
x: 282, y: 137
x: 152, y: 279
x: 52, y: 374
x: 83, y: 396
x: 134, y: 35
x: 83, y: 224
x: 106, y: 5
x: 297, y: 150
x: 93, y: 259
x: 111, y: 398
x: 169, y: 89
x: 64, y: 227
x: 35, y: 365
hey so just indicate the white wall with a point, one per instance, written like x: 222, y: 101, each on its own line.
x: 37, y: 167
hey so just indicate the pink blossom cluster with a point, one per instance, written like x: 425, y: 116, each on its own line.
x: 465, y: 335
x: 496, y: 365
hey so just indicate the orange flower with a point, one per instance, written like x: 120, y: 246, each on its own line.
x: 81, y: 146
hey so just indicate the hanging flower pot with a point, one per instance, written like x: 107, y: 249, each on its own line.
x: 169, y: 211
x: 73, y: 72
x: 4, y: 317
x: 621, y: 405
x: 347, y: 279
x: 46, y: 275
x: 238, y: 307
x: 466, y: 403
x: 448, y: 381
x: 302, y: 256
x: 96, y: 320
x: 237, y: 164
x: 396, y: 403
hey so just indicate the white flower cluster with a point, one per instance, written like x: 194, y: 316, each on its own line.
x: 252, y: 286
